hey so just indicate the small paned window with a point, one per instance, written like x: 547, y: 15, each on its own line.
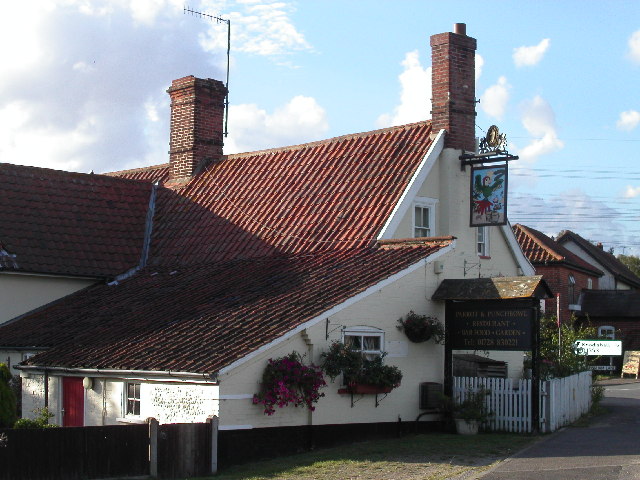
x: 589, y: 283
x: 607, y: 331
x: 571, y: 292
x: 482, y: 241
x: 422, y: 221
x: 133, y: 399
x: 369, y: 342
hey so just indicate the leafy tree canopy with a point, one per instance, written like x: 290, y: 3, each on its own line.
x: 631, y: 262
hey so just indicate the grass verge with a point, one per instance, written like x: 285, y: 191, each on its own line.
x: 424, y: 457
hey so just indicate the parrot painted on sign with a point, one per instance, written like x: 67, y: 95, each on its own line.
x: 483, y: 188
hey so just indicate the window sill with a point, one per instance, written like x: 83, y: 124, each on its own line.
x: 134, y: 420
x: 484, y: 257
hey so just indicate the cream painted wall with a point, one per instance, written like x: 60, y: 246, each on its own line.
x: 20, y: 293
x: 418, y: 362
x: 450, y: 185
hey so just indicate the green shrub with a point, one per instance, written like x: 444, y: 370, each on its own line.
x: 43, y: 415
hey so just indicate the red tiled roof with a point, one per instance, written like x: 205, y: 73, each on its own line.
x: 606, y: 259
x: 71, y: 223
x: 542, y: 250
x: 202, y: 318
x: 155, y: 174
x: 335, y: 193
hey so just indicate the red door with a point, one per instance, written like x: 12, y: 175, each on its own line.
x: 72, y: 402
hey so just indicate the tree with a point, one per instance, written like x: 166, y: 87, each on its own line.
x: 558, y: 358
x: 631, y: 262
x: 7, y: 399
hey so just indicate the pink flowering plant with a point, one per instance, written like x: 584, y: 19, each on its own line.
x: 286, y: 381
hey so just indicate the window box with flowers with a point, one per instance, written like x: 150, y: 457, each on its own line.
x: 286, y: 381
x: 420, y: 328
x: 360, y: 375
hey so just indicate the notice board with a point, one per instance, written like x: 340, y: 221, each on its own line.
x: 490, y: 325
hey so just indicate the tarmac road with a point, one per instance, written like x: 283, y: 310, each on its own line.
x: 608, y: 449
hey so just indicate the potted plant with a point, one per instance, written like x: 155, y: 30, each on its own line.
x: 420, y: 328
x: 360, y: 375
x: 472, y: 412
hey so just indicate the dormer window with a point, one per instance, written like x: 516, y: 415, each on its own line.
x: 424, y: 217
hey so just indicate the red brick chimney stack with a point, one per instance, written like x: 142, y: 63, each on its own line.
x: 197, y: 119
x: 453, y: 87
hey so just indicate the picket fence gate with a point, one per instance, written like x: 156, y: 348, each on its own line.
x: 562, y: 401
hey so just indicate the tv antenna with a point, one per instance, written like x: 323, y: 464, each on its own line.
x: 228, y: 22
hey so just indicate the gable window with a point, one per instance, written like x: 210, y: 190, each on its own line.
x: 368, y: 341
x: 482, y: 241
x: 607, y: 331
x: 424, y: 217
x: 132, y: 401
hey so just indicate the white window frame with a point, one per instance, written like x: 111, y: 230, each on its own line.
x: 482, y: 245
x: 127, y: 398
x: 590, y: 283
x: 363, y: 331
x: 604, y: 328
x: 430, y: 205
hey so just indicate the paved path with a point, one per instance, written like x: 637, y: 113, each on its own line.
x: 608, y: 449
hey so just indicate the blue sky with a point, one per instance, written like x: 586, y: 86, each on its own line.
x: 83, y: 87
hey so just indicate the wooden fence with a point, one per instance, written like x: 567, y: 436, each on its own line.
x: 163, y: 451
x: 562, y: 401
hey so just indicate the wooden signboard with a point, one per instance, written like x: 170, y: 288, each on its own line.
x: 490, y: 326
x: 631, y: 363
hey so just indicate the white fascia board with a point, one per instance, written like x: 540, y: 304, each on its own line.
x: 518, y: 255
x: 347, y: 303
x: 413, y: 187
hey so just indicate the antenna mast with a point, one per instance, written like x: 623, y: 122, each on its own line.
x: 228, y: 22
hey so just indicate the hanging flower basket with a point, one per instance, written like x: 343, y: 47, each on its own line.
x: 420, y: 328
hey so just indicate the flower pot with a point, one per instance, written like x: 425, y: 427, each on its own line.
x: 467, y: 427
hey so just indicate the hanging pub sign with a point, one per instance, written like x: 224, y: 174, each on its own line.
x: 488, y: 325
x: 489, y: 195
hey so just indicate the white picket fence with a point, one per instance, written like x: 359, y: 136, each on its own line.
x: 562, y: 401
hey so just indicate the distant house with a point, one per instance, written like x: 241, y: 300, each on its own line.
x: 566, y: 274
x: 243, y: 258
x: 616, y: 275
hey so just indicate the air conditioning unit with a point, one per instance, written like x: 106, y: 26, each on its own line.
x: 430, y: 396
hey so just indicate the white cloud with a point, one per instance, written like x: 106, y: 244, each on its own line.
x: 539, y: 120
x: 634, y: 47
x: 631, y: 192
x: 628, y: 120
x: 479, y: 65
x: 258, y: 28
x: 415, y: 94
x: 494, y: 100
x: 251, y: 128
x: 530, y: 56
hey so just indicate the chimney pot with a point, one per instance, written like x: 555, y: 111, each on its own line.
x: 460, y: 28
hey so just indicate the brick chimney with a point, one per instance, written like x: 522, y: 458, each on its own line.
x: 453, y: 87
x: 197, y: 119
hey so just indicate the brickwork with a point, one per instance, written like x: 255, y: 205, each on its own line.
x: 197, y: 119
x: 557, y: 277
x: 453, y: 89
